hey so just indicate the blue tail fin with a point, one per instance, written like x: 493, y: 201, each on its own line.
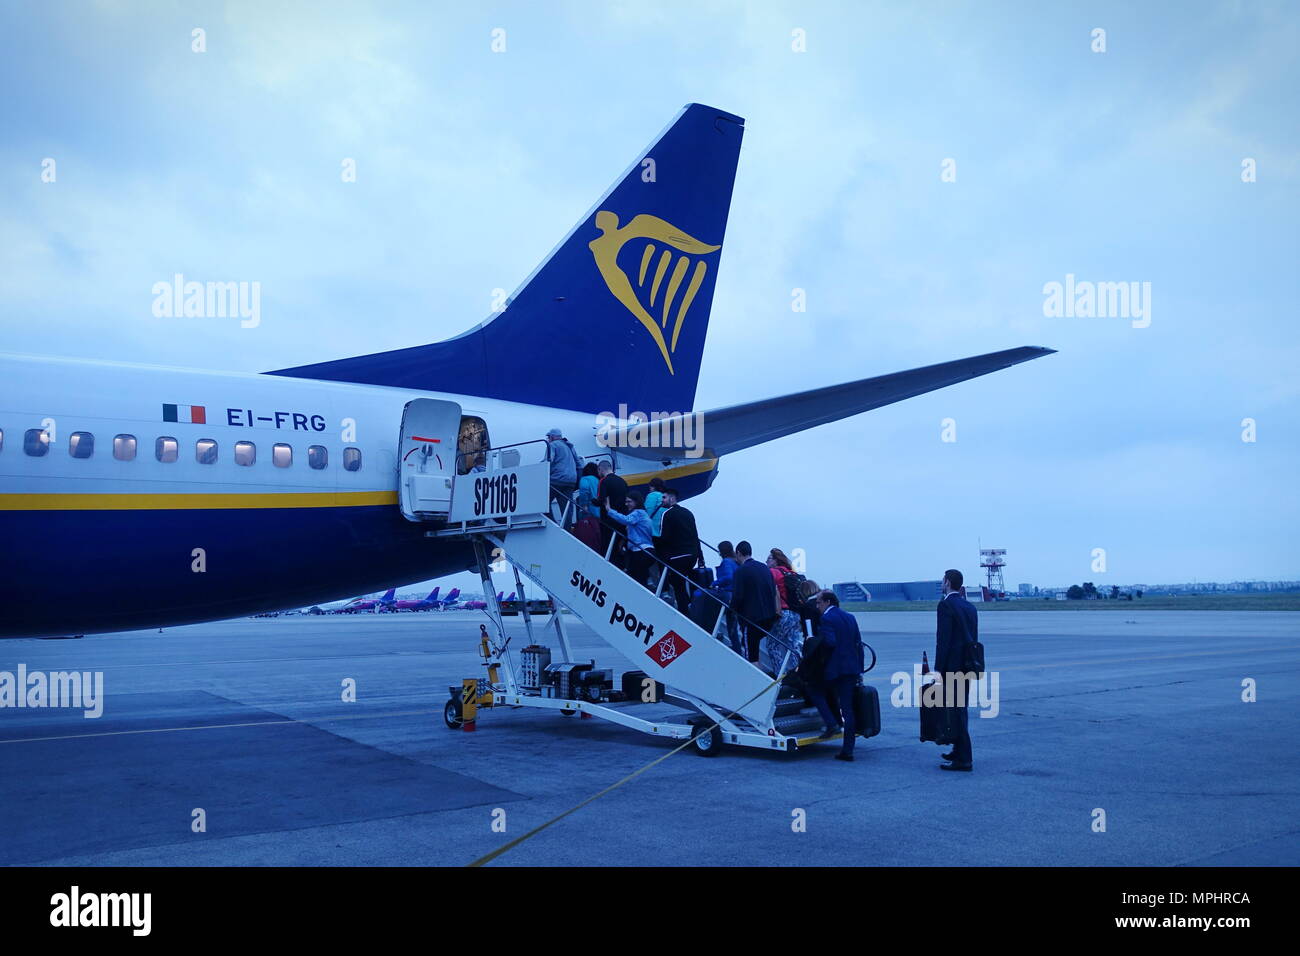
x: 433, y: 595
x: 388, y: 596
x: 617, y: 313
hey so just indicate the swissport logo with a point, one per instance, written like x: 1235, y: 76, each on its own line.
x: 667, y: 649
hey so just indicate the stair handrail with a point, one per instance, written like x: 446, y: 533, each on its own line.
x: 725, y: 608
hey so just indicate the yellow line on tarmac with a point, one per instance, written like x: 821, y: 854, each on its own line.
x: 489, y: 857
x: 250, y: 723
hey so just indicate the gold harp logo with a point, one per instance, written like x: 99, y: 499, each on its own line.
x: 611, y: 241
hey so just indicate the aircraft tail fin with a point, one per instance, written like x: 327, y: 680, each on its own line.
x: 632, y: 281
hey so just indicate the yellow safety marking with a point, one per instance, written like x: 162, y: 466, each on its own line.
x: 195, y: 502
x: 805, y: 741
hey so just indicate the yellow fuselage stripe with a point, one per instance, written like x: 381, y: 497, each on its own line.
x: 238, y: 500
x: 191, y: 502
x: 640, y: 478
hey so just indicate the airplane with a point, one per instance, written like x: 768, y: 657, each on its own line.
x: 450, y: 601
x: 476, y: 604
x: 426, y: 603
x: 172, y: 496
x: 383, y: 603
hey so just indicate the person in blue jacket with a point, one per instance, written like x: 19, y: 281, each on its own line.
x: 725, y: 582
x: 845, y: 662
x: 640, y: 540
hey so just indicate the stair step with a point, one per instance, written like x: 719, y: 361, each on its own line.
x: 796, y: 724
x: 791, y: 705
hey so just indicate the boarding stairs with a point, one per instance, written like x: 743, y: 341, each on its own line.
x: 509, y: 516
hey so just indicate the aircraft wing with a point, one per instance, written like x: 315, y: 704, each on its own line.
x: 730, y: 429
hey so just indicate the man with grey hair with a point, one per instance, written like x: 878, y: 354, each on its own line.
x: 564, y: 468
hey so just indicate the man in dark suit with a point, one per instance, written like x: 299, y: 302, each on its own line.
x: 958, y: 627
x: 753, y: 597
x: 679, y: 548
x: 845, y: 663
x: 611, y: 496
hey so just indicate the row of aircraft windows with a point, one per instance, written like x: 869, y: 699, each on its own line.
x: 36, y: 442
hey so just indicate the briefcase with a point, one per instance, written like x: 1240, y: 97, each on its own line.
x: 866, y: 710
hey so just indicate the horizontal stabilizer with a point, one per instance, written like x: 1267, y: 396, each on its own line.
x: 727, y: 430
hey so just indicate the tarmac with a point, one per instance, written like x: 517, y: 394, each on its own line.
x: 1139, y: 716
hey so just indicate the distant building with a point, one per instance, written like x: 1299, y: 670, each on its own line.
x: 890, y: 591
x: 1026, y: 590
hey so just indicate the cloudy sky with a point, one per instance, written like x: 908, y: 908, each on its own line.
x: 1122, y: 165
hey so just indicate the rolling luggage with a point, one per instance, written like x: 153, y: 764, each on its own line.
x: 705, y: 608
x: 587, y: 530
x: 934, y: 723
x: 866, y: 710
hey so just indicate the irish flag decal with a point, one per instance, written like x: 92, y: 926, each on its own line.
x: 190, y: 414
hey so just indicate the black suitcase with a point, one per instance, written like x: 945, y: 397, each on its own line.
x: 705, y: 608
x: 866, y: 710
x: 633, y: 686
x: 934, y: 724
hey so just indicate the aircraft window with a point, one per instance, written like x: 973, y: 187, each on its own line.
x: 205, y: 451
x: 81, y: 444
x: 166, y: 448
x: 473, y: 439
x: 36, y: 442
x: 281, y: 455
x: 317, y: 456
x: 351, y: 458
x: 124, y: 447
x: 2, y: 439
x: 245, y: 453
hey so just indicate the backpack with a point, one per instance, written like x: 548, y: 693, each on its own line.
x: 794, y: 598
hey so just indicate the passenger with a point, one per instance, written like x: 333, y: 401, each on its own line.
x: 679, y: 547
x: 587, y: 528
x: 611, y: 494
x: 564, y: 471
x: 813, y: 654
x: 724, y: 581
x: 842, y: 672
x: 787, y: 636
x: 810, y: 591
x: 640, y: 553
x: 958, y: 627
x: 753, y: 599
x: 588, y: 490
x: 655, y: 507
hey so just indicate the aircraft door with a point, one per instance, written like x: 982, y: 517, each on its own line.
x: 427, y: 446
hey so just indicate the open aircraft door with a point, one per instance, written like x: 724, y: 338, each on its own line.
x: 428, y: 458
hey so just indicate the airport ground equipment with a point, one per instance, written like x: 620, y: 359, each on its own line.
x: 714, y: 696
